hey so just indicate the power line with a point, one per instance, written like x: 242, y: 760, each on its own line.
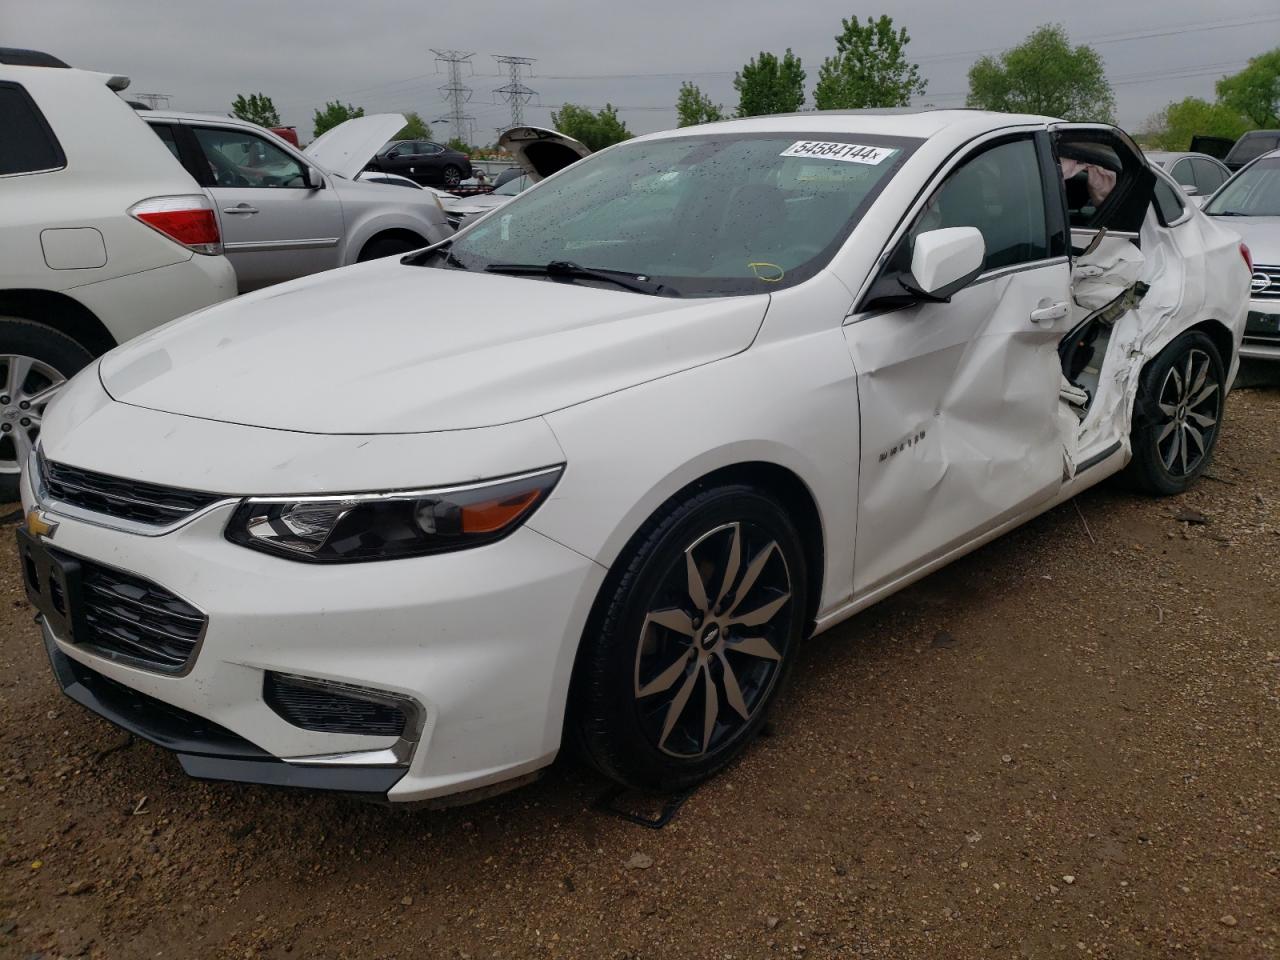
x: 514, y: 91
x: 154, y: 100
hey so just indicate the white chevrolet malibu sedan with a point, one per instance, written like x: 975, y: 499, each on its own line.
x: 592, y: 469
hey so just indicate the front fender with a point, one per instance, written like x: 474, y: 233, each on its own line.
x: 428, y: 222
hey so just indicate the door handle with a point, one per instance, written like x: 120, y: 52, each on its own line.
x: 240, y: 208
x: 1050, y: 313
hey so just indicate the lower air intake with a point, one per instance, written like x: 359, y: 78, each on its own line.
x: 333, y: 707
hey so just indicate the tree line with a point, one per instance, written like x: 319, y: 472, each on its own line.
x: 870, y: 68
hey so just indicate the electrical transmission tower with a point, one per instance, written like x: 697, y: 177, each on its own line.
x: 514, y: 90
x: 153, y: 100
x: 456, y: 92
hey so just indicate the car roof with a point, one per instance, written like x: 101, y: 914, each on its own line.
x: 922, y: 123
x: 189, y: 115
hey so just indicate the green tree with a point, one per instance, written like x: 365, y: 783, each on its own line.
x: 415, y: 128
x: 595, y: 130
x: 1044, y: 75
x: 1255, y: 90
x: 1174, y: 126
x: 869, y: 69
x: 256, y: 108
x: 334, y: 113
x: 766, y: 85
x: 457, y: 143
x: 694, y: 107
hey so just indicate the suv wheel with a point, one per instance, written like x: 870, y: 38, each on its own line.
x: 692, y: 642
x: 452, y: 176
x: 1177, y: 416
x: 35, y: 362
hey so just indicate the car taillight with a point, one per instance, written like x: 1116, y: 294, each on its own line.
x: 188, y: 220
x: 1248, y: 257
x: 466, y: 156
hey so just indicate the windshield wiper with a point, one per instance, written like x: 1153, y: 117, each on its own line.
x: 572, y: 271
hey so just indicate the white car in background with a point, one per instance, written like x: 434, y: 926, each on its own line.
x: 1249, y: 203
x: 690, y: 400
x: 286, y: 213
x: 102, y: 236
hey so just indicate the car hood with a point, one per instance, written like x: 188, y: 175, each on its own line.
x: 541, y: 152
x: 1262, y: 234
x: 347, y: 148
x: 384, y: 347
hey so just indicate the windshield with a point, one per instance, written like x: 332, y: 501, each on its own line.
x: 714, y: 215
x: 1254, y: 192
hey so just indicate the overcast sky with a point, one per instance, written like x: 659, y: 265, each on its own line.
x: 377, y: 53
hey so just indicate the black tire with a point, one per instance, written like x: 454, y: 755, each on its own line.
x: 451, y: 175
x: 1175, y: 430
x: 621, y: 715
x: 389, y: 246
x: 52, y: 352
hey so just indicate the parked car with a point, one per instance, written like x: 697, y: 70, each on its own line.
x: 286, y: 213
x: 1198, y: 174
x: 1250, y: 205
x: 668, y: 412
x: 423, y: 161
x: 538, y: 152
x: 1250, y: 146
x: 102, y: 237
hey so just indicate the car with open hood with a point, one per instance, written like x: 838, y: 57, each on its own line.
x: 539, y: 153
x: 593, y: 468
x: 284, y: 212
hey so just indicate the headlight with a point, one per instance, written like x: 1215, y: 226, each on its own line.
x: 385, y: 526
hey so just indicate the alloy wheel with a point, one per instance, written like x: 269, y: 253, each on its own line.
x: 1190, y: 402
x: 711, y: 648
x: 26, y: 387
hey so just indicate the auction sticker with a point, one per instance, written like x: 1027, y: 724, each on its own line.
x: 848, y: 152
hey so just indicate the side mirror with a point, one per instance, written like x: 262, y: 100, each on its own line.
x: 944, y: 262
x: 1189, y: 189
x: 393, y: 154
x: 315, y: 179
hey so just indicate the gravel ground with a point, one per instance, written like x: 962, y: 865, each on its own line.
x: 1063, y: 745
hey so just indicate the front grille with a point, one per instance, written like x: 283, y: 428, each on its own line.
x: 145, y: 503
x: 1270, y: 274
x: 332, y: 708
x: 125, y: 616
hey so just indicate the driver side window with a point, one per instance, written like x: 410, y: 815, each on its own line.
x: 1000, y: 192
x: 238, y: 158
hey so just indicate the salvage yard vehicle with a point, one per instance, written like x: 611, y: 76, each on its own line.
x: 539, y: 152
x: 1250, y: 205
x: 287, y: 213
x: 666, y: 413
x: 422, y: 161
x: 102, y: 236
x: 1198, y: 174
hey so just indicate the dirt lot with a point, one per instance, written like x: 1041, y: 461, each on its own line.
x: 1064, y: 745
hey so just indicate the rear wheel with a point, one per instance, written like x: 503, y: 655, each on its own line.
x: 692, y: 642
x: 1177, y: 416
x: 452, y: 176
x: 35, y: 362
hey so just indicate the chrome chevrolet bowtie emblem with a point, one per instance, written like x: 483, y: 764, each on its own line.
x: 38, y: 526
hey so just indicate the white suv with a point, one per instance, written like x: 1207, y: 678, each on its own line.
x: 103, y: 234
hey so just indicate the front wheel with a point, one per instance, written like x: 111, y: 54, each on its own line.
x: 1177, y: 415
x: 35, y: 362
x: 690, y: 644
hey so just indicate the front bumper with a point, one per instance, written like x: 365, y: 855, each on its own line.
x: 1262, y: 330
x: 481, y: 640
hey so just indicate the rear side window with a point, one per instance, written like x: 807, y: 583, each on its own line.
x: 27, y: 145
x: 1252, y: 146
x: 1209, y: 176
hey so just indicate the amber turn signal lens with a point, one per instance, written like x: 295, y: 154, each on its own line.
x: 493, y: 515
